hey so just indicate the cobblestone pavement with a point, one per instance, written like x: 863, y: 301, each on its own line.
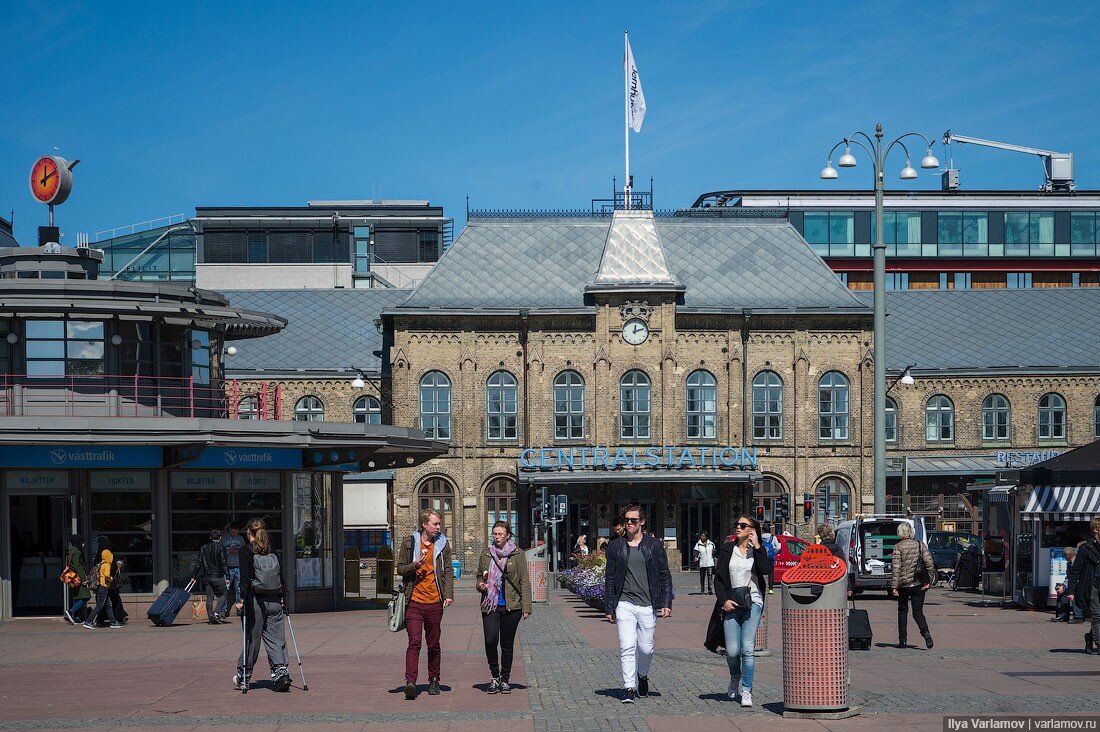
x: 986, y: 660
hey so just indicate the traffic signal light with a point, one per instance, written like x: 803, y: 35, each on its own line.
x: 808, y: 506
x: 784, y: 508
x: 760, y: 512
x: 536, y: 515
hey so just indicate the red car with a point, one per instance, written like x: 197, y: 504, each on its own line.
x: 789, y: 554
x: 791, y: 548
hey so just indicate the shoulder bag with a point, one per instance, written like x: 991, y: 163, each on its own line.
x: 70, y: 577
x: 395, y: 611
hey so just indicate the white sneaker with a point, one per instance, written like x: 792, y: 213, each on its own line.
x: 746, y: 697
x: 731, y: 690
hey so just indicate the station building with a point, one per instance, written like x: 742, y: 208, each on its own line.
x: 115, y: 422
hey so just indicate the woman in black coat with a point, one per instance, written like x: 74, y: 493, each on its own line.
x: 739, y: 587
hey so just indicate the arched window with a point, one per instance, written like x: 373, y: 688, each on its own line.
x: 634, y: 394
x: 309, y: 409
x: 702, y: 405
x: 500, y: 504
x: 248, y: 407
x: 568, y: 406
x: 1052, y: 417
x: 832, y: 409
x: 767, y: 406
x: 939, y: 420
x: 996, y: 417
x: 367, y: 410
x: 435, y: 405
x: 438, y: 494
x: 501, y: 400
x: 891, y: 420
x: 833, y: 501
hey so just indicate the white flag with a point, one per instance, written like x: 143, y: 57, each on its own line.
x: 635, y: 97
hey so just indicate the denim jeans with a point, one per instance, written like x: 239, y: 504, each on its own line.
x: 233, y: 596
x: 739, y: 628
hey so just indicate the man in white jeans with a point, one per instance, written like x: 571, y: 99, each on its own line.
x: 637, y: 588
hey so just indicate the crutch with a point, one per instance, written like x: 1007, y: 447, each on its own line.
x: 244, y: 651
x: 305, y: 686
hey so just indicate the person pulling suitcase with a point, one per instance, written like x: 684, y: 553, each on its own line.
x: 262, y: 609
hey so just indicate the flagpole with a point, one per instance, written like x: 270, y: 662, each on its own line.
x: 626, y: 112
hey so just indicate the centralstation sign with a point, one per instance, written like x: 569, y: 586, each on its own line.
x: 636, y: 457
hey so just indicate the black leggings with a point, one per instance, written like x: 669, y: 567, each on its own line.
x: 706, y: 574
x: 915, y: 596
x: 500, y: 627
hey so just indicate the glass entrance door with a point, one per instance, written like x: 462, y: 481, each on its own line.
x: 39, y: 541
x: 700, y: 510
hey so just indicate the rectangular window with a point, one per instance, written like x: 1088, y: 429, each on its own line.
x: 963, y: 280
x: 203, y: 500
x: 897, y: 281
x: 900, y: 232
x: 1082, y: 233
x: 122, y: 509
x: 429, y: 246
x: 312, y: 530
x: 1075, y: 279
x: 831, y: 233
x: 1029, y: 233
x: 843, y: 277
x: 943, y: 280
x: 963, y: 233
x: 257, y: 247
x: 1017, y: 280
x: 64, y: 347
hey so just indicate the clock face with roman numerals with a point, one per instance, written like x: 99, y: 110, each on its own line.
x: 51, y: 179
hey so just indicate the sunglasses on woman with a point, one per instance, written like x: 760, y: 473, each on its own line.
x: 743, y: 525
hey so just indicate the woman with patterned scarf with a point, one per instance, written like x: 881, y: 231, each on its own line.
x: 506, y: 599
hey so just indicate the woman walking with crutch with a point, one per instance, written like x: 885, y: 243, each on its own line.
x: 262, y: 606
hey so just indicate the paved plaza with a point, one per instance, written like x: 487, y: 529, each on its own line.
x: 986, y: 660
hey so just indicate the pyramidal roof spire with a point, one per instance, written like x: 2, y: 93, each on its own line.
x: 632, y: 255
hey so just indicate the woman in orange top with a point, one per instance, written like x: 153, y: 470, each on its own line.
x: 424, y: 563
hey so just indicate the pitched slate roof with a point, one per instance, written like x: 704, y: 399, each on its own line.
x: 548, y: 263
x: 1048, y: 328
x: 327, y: 330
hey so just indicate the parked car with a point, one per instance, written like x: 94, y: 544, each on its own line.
x: 867, y: 544
x: 790, y: 551
x: 946, y: 546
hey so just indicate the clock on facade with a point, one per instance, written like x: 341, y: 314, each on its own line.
x: 51, y: 179
x: 635, y: 331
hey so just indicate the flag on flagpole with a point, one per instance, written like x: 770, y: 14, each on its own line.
x: 635, y: 97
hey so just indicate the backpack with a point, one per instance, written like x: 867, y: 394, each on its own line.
x: 92, y: 582
x: 267, y: 576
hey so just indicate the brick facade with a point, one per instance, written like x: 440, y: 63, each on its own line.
x: 800, y: 349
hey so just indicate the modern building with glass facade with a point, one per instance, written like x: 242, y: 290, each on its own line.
x: 941, y: 239
x: 326, y: 244
x: 115, y: 421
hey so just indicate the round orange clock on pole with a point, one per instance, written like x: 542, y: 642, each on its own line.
x: 52, y: 179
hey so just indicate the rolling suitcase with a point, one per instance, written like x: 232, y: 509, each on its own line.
x: 164, y: 609
x: 859, y: 630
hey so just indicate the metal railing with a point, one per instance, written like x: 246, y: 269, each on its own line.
x: 116, y: 395
x: 138, y: 227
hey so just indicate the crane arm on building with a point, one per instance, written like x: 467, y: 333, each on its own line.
x: 1058, y: 165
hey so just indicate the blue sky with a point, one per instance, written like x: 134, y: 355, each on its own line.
x: 170, y: 106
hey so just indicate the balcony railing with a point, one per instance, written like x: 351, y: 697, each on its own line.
x: 118, y: 395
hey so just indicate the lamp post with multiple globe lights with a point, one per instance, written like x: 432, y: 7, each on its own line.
x: 878, y: 151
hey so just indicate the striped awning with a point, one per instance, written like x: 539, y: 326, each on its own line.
x: 1063, y: 502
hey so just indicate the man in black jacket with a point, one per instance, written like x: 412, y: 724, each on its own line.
x: 1084, y: 580
x: 213, y: 566
x: 637, y: 588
